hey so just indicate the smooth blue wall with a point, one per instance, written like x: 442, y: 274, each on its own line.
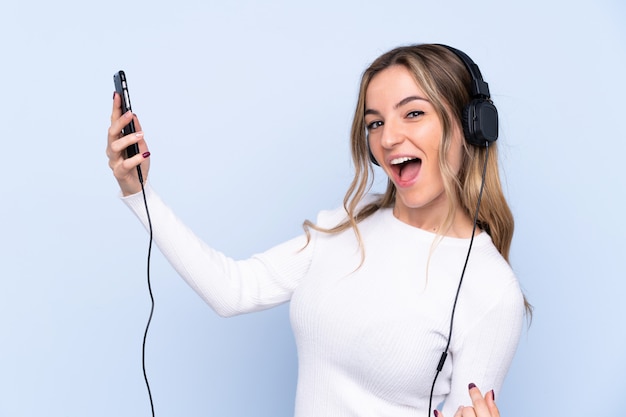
x: 247, y: 107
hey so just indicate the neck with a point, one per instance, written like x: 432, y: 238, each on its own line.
x: 434, y: 220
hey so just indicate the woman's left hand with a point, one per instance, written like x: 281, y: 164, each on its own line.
x: 481, y: 407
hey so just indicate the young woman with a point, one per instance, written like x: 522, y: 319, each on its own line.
x: 372, y: 284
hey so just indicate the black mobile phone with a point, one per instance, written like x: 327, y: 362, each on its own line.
x: 121, y: 87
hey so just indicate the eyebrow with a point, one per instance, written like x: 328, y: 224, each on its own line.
x: 399, y: 104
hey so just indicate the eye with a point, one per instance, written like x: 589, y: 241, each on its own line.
x: 414, y: 114
x: 375, y: 124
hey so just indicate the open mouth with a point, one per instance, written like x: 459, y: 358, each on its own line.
x: 406, y: 168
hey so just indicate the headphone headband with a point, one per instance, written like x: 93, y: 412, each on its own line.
x: 480, y: 116
x: 480, y: 88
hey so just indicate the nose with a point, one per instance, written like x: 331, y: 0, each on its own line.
x: 392, y: 135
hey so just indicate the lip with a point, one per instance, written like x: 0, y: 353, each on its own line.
x: 395, y: 170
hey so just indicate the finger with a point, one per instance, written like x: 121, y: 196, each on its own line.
x: 131, y: 163
x: 465, y: 412
x: 125, y: 171
x: 116, y: 112
x: 479, y: 403
x: 459, y: 412
x: 491, y: 404
x: 118, y: 146
x: 143, y: 146
x: 117, y: 125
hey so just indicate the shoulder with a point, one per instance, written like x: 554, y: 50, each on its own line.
x: 338, y: 215
x: 491, y: 264
x: 490, y: 283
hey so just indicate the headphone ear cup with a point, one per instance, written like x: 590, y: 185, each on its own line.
x: 480, y: 122
x: 374, y: 161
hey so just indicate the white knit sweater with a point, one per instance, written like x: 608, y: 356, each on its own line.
x: 368, y: 338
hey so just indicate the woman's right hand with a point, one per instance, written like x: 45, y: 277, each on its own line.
x: 481, y: 407
x: 125, y: 170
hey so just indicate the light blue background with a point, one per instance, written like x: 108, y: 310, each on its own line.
x: 247, y: 106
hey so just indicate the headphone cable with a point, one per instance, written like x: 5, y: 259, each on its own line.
x: 145, y: 335
x: 444, y: 354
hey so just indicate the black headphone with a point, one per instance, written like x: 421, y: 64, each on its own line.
x: 480, y: 116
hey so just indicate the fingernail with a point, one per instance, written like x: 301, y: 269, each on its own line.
x: 436, y: 413
x: 472, y: 385
x: 128, y: 114
x: 139, y: 134
x: 145, y: 154
x: 493, y: 395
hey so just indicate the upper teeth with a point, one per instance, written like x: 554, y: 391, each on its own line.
x: 400, y: 160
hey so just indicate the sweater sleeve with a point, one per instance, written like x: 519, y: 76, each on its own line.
x: 230, y: 287
x: 487, y: 349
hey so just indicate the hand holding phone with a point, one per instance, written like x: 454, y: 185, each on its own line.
x: 121, y: 88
